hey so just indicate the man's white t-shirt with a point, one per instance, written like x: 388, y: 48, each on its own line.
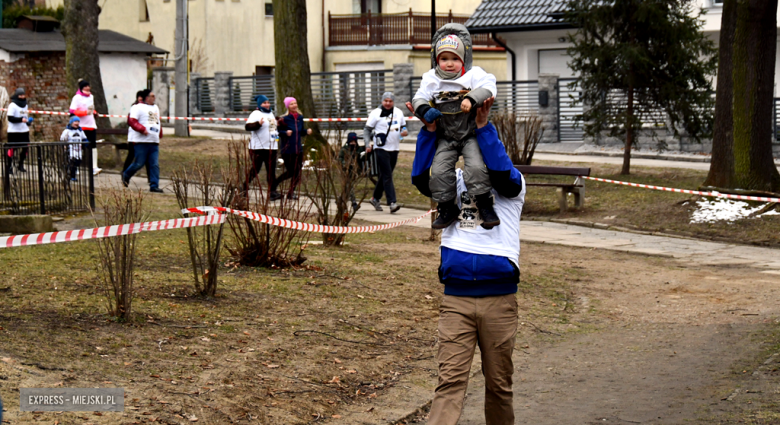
x: 86, y: 103
x: 149, y: 117
x: 381, y: 124
x: 502, y: 240
x: 265, y: 136
x: 15, y: 111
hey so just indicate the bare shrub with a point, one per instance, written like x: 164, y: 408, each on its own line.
x: 196, y: 188
x: 334, y: 182
x: 255, y: 243
x: 521, y: 134
x: 117, y: 254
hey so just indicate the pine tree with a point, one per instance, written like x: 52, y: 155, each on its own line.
x: 639, y: 58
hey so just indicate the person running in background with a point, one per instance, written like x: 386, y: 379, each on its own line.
x: 18, y: 130
x: 131, y: 145
x: 74, y: 136
x: 291, y: 132
x: 382, y: 134
x: 146, y: 134
x: 83, y: 106
x: 351, y: 159
x: 263, y: 144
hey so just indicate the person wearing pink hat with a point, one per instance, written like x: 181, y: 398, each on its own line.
x: 291, y: 132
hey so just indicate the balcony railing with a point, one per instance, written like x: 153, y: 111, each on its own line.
x: 383, y: 29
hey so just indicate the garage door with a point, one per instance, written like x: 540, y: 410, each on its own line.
x: 555, y: 62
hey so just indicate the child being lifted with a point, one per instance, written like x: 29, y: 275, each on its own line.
x: 449, y: 95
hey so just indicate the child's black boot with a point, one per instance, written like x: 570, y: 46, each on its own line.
x: 448, y: 213
x: 486, y: 212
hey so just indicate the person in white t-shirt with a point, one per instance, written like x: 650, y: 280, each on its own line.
x: 384, y: 129
x: 144, y: 120
x: 263, y: 144
x: 83, y: 106
x: 18, y: 130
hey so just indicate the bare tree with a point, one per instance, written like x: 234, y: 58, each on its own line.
x: 742, y: 139
x: 80, y: 29
x: 196, y: 188
x: 293, y: 73
x: 117, y: 254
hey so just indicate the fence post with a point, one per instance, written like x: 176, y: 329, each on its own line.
x: 41, y: 194
x: 222, y: 92
x: 161, y: 86
x: 90, y: 175
x: 194, y: 94
x: 549, y: 113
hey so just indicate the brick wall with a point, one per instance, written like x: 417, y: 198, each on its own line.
x: 43, y: 77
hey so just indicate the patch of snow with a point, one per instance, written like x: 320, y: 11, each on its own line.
x: 719, y: 209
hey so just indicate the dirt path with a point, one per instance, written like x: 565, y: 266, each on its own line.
x: 670, y: 344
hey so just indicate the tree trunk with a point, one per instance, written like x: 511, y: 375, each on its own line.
x: 80, y: 29
x: 293, y: 74
x: 721, y: 173
x: 629, y: 132
x: 755, y: 38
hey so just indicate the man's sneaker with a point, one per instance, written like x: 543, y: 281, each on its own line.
x: 275, y: 196
x: 74, y: 179
x: 355, y: 206
x: 448, y: 213
x: 156, y: 190
x: 376, y: 204
x: 292, y: 196
x: 125, y: 183
x: 486, y: 212
x: 394, y: 207
x: 97, y: 171
x: 21, y: 168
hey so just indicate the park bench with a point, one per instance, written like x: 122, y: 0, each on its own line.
x: 577, y: 188
x: 117, y: 145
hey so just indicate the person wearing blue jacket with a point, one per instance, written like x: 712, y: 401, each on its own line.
x: 291, y: 132
x: 480, y: 272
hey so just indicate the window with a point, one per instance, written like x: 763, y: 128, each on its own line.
x: 143, y: 11
x: 717, y: 2
x: 269, y: 9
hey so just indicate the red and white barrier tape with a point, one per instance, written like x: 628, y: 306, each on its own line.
x: 306, y: 227
x: 108, y: 231
x: 210, y: 119
x: 686, y: 191
x: 216, y: 215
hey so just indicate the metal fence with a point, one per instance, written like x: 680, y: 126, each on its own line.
x: 515, y: 96
x: 36, y: 179
x: 244, y: 89
x: 569, y: 107
x: 336, y: 94
x: 205, y: 94
x: 776, y: 120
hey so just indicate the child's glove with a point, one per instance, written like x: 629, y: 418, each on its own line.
x: 432, y: 115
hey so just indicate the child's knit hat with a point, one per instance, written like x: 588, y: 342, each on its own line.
x: 451, y: 43
x: 72, y: 120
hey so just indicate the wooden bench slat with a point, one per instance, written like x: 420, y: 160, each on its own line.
x: 111, y: 131
x: 547, y: 170
x: 554, y: 184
